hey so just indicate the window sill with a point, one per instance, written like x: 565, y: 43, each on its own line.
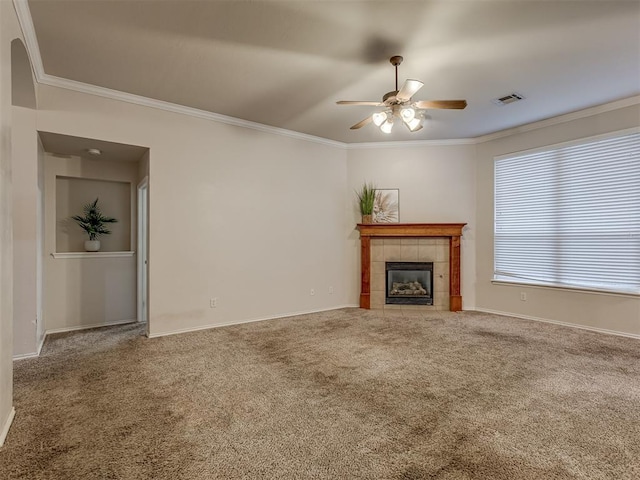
x: 548, y: 286
x: 92, y: 254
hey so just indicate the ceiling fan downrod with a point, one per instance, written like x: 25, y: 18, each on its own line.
x: 395, y: 61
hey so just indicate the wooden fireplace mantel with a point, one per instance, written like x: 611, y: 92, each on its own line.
x: 453, y: 231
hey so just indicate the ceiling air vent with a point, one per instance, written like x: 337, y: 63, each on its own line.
x: 513, y: 97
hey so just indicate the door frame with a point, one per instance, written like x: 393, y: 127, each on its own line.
x: 143, y: 253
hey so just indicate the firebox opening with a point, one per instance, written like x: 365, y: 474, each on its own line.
x: 409, y: 283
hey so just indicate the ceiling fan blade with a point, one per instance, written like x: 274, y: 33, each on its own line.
x: 361, y: 123
x: 408, y: 90
x: 354, y: 102
x: 452, y: 104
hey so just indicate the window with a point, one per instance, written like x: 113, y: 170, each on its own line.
x: 569, y: 215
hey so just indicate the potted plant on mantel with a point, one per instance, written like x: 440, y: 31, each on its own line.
x: 93, y: 223
x: 367, y: 198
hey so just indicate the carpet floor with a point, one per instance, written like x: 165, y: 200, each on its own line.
x: 346, y: 394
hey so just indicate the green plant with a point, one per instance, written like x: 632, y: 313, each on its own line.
x: 366, y: 198
x: 93, y: 220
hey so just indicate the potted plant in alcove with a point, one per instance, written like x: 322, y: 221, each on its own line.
x: 93, y: 222
x: 366, y: 200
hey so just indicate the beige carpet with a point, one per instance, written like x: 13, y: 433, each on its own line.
x: 348, y: 394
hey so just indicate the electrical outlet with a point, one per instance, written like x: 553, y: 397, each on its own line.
x: 523, y: 296
x: 213, y: 303
x: 330, y: 290
x: 313, y: 292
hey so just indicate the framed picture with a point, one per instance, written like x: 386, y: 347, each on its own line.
x: 386, y: 208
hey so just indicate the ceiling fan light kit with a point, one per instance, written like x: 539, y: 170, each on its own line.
x: 398, y: 104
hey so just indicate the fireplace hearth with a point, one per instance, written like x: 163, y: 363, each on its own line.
x: 409, y: 283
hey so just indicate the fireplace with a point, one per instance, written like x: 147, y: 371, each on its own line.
x: 450, y: 233
x: 409, y: 283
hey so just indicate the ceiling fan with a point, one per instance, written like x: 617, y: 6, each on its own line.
x: 398, y: 104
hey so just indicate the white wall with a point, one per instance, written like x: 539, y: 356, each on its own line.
x: 593, y: 310
x: 437, y: 185
x: 25, y: 228
x: 83, y: 292
x: 253, y: 219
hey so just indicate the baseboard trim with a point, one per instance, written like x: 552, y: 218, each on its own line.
x: 41, y: 344
x: 86, y: 327
x: 35, y: 354
x: 25, y: 356
x: 564, y: 324
x: 7, y: 425
x: 240, y: 322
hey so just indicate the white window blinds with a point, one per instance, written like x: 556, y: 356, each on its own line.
x: 570, y: 216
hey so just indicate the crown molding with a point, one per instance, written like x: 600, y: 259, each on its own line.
x: 528, y: 127
x: 29, y: 33
x: 411, y: 143
x: 180, y: 109
x: 81, y: 87
x: 587, y: 112
x: 217, y: 117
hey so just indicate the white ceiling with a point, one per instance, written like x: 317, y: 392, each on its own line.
x: 286, y: 63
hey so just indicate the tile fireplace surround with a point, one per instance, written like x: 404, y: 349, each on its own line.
x: 431, y: 242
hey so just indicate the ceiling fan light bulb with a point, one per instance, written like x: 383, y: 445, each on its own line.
x: 414, y: 124
x: 408, y: 114
x: 379, y: 118
x: 386, y: 126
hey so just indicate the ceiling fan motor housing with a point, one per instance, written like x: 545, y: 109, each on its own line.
x: 389, y: 98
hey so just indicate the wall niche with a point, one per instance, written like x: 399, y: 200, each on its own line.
x: 73, y: 193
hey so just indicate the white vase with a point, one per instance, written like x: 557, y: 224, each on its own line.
x: 92, y: 245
